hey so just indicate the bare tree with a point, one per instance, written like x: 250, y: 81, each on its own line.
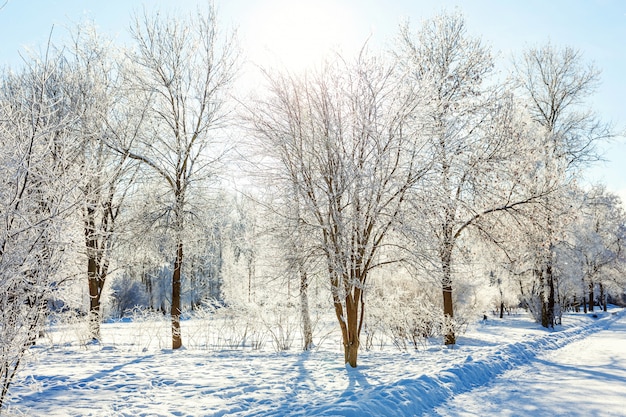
x: 94, y: 87
x: 482, y: 151
x: 341, y: 139
x: 184, y: 70
x: 556, y: 82
x: 300, y: 254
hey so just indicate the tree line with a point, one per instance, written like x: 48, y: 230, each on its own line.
x: 395, y: 183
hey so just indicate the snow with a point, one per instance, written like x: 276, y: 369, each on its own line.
x: 584, y: 378
x: 503, y: 367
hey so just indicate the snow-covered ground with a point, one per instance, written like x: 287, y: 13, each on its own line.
x: 507, y: 367
x: 585, y: 378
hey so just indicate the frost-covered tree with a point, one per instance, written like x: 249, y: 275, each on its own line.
x: 184, y: 69
x: 94, y: 86
x: 482, y: 151
x: 555, y: 82
x: 598, y: 239
x: 36, y: 190
x: 342, y: 138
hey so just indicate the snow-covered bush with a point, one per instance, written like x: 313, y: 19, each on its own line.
x: 402, y: 313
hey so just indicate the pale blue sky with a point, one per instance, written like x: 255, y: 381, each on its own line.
x: 596, y: 27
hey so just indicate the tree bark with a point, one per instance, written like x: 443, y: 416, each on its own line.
x: 350, y: 322
x: 551, y: 295
x: 351, y: 344
x: 176, y: 289
x: 351, y: 351
x: 307, y: 331
x: 448, y: 313
x: 94, y: 280
x: 602, y: 297
x: 591, y: 297
x: 94, y: 299
x: 448, y: 306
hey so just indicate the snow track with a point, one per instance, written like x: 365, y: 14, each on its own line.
x: 408, y: 397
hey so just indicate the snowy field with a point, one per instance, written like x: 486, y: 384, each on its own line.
x: 508, y: 367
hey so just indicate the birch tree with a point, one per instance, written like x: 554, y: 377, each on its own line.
x: 184, y: 69
x: 341, y: 139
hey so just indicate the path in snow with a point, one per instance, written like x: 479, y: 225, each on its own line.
x: 584, y: 378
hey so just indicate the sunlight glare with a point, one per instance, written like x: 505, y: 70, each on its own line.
x: 298, y: 34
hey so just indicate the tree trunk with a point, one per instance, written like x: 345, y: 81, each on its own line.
x: 591, y: 297
x: 501, y: 309
x: 602, y: 297
x: 448, y: 307
x: 351, y: 343
x: 351, y: 351
x: 448, y: 313
x: 545, y: 321
x: 307, y: 331
x: 94, y: 299
x: 94, y: 280
x: 350, y: 322
x: 547, y: 304
x: 176, y: 288
x: 250, y: 275
x: 551, y: 296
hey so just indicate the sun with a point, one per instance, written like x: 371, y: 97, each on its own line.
x: 298, y: 34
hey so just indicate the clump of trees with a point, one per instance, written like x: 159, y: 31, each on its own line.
x: 392, y: 188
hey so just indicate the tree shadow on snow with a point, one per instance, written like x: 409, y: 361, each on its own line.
x: 51, y: 389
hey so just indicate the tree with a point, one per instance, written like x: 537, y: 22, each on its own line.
x: 299, y: 255
x: 598, y: 239
x: 555, y: 83
x: 95, y: 90
x: 482, y: 151
x: 184, y: 70
x: 36, y: 190
x: 342, y: 139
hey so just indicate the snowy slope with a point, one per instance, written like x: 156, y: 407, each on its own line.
x: 115, y: 380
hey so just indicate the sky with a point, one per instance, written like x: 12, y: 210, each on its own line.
x: 296, y: 33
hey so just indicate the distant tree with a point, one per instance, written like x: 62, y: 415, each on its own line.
x: 208, y: 241
x: 183, y: 72
x: 299, y: 258
x: 598, y: 243
x: 299, y: 254
x: 244, y: 233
